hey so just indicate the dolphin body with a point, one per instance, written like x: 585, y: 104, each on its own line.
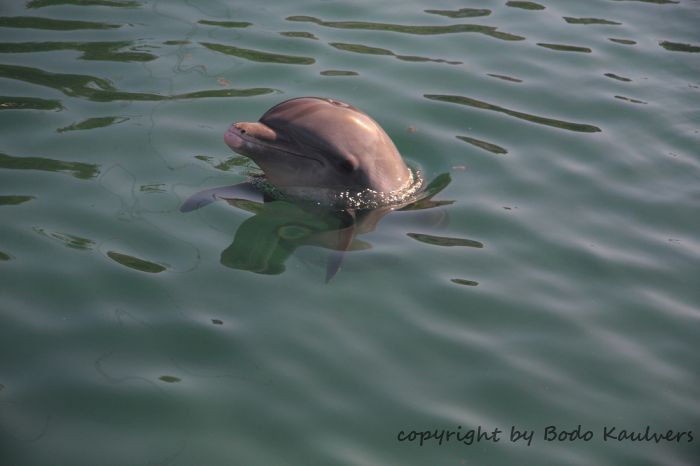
x: 322, y: 144
x: 312, y: 144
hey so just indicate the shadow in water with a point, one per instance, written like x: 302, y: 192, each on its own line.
x: 263, y: 243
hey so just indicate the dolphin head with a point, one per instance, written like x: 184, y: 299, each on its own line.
x: 311, y: 142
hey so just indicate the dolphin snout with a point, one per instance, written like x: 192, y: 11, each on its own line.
x: 233, y: 137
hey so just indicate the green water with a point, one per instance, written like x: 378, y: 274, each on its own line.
x: 559, y: 288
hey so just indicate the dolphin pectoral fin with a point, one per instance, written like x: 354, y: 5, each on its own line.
x: 203, y: 198
x: 344, y: 241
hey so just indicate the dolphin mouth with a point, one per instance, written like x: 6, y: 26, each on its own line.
x: 236, y: 139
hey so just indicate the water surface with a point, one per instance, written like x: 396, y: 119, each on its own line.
x: 552, y: 282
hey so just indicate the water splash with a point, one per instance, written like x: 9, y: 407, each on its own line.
x: 345, y: 199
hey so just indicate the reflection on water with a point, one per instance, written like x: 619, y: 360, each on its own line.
x: 623, y: 41
x: 92, y: 123
x: 676, y: 47
x: 461, y: 100
x: 135, y: 263
x: 571, y: 20
x: 505, y: 78
x: 619, y: 78
x: 300, y: 34
x: 565, y: 48
x: 77, y: 169
x: 107, y: 51
x: 33, y: 22
x: 484, y: 145
x: 359, y: 48
x: 112, y: 3
x: 628, y: 99
x: 102, y: 90
x: 525, y: 5
x: 338, y: 73
x: 405, y: 29
x: 28, y: 103
x: 462, y: 281
x: 257, y: 55
x: 68, y: 240
x: 444, y: 241
x: 461, y: 13
x: 14, y: 200
x: 225, y: 24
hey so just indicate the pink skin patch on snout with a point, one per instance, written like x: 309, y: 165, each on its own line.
x: 233, y: 137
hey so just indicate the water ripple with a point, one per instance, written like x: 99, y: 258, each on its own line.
x: 225, y: 24
x: 102, y: 90
x: 488, y: 146
x: 77, y: 169
x: 32, y: 22
x: 93, y: 123
x: 68, y: 240
x: 405, y: 29
x: 623, y: 41
x: 525, y: 5
x: 111, y: 3
x: 571, y: 20
x: 461, y: 100
x: 28, y: 103
x: 444, y: 240
x: 136, y: 263
x: 338, y: 73
x: 299, y: 34
x: 257, y: 55
x: 461, y: 13
x: 678, y: 47
x: 565, y: 48
x: 505, y: 78
x: 107, y: 51
x: 15, y: 200
x: 618, y: 78
x: 659, y: 2
x: 359, y: 48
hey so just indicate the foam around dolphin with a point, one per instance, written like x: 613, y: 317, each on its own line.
x: 320, y: 143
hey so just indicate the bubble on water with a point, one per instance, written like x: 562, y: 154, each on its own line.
x: 345, y: 199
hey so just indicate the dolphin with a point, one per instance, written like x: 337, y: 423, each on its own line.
x: 306, y: 145
x: 322, y: 144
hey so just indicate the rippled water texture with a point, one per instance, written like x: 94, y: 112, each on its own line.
x: 547, y: 278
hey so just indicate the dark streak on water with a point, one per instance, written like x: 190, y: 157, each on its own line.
x: 259, y: 56
x: 462, y: 100
x: 102, y: 90
x: 32, y: 22
x: 405, y: 29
